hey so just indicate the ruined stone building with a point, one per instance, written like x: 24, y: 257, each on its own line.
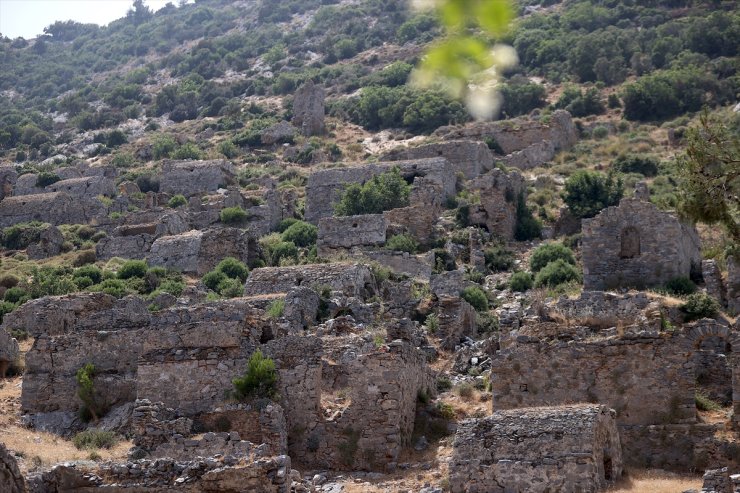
x: 196, y: 177
x: 537, y: 450
x: 308, y: 109
x: 636, y: 245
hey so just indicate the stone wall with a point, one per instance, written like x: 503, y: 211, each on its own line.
x: 456, y: 321
x: 351, y: 279
x: 196, y: 177
x: 8, y: 177
x: 8, y: 351
x: 344, y: 232
x: 733, y: 285
x: 517, y: 134
x: 498, y: 191
x: 197, y: 252
x: 416, y: 266
x: 55, y: 208
x: 537, y: 450
x: 11, y: 480
x: 91, y: 186
x: 419, y: 218
x: 636, y: 245
x: 325, y: 187
x: 308, y: 109
x: 531, y: 156
x: 470, y: 158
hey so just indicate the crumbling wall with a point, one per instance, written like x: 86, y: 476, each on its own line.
x: 90, y: 186
x: 498, y: 191
x: 567, y: 448
x: 308, y: 109
x: 470, y: 158
x: 636, y: 245
x: 456, y: 321
x: 55, y: 208
x: 11, y: 480
x: 351, y: 279
x: 345, y: 232
x: 8, y: 351
x: 196, y: 177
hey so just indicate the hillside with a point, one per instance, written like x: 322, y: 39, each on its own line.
x: 239, y: 248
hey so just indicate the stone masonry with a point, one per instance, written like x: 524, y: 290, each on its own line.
x: 91, y: 186
x: 537, y: 450
x: 55, y: 208
x: 351, y: 279
x: 308, y: 109
x: 345, y: 232
x: 636, y: 245
x: 196, y: 177
x: 8, y: 351
x: 467, y: 157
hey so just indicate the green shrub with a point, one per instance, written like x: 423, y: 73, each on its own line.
x: 498, y: 258
x: 132, y: 268
x: 476, y: 297
x: 704, y: 403
x: 630, y: 163
x: 46, y: 178
x: 86, y: 391
x: 283, y: 250
x: 527, y: 226
x: 21, y: 235
x: 16, y: 295
x: 94, y: 439
x: 276, y: 309
x: 213, y: 279
x: 521, y: 281
x: 383, y: 192
x: 173, y: 286
x: 233, y: 268
x: 432, y: 323
x: 163, y: 146
x: 5, y: 308
x: 588, y: 192
x: 680, y: 286
x: 188, y: 151
x: 177, y: 201
x: 301, y: 233
x: 114, y: 287
x: 465, y: 390
x: 286, y: 223
x: 402, y: 243
x: 556, y: 273
x: 600, y: 132
x: 233, y: 215
x: 260, y: 379
x: 91, y: 271
x: 443, y: 384
x: 230, y: 288
x: 487, y: 322
x: 699, y: 305
x: 9, y: 281
x: 549, y: 252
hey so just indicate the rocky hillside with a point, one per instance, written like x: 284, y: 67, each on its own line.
x: 240, y: 251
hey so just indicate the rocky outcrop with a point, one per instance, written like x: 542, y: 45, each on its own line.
x: 55, y: 208
x: 280, y: 132
x: 308, y: 109
x: 91, y: 186
x: 351, y: 279
x: 49, y: 244
x: 196, y: 177
x: 9, y: 351
x: 11, y: 480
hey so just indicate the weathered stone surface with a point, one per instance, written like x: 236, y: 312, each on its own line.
x: 91, y: 186
x: 49, y: 244
x: 308, y: 109
x: 419, y: 218
x: 531, y: 156
x: 11, y: 480
x: 456, y: 321
x: 417, y: 266
x: 498, y: 192
x: 345, y: 232
x: 468, y: 157
x: 281, y: 131
x: 517, y: 134
x: 717, y: 481
x: 636, y: 245
x: 129, y: 246
x: 537, y: 450
x: 25, y: 184
x: 55, y: 208
x: 196, y: 177
x: 8, y: 351
x: 8, y: 177
x: 325, y: 187
x: 712, y: 276
x: 198, y: 252
x: 733, y: 284
x: 350, y: 279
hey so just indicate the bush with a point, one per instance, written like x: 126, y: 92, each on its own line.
x: 527, y: 226
x: 46, y: 178
x: 260, y: 379
x: 187, y: 151
x: 432, y: 323
x: 86, y: 391
x: 549, y: 252
x: 680, y: 286
x: 94, y: 439
x: 132, y: 268
x: 301, y: 233
x: 587, y: 193
x: 233, y: 215
x: 498, y: 258
x: 90, y: 271
x: 276, y: 309
x: 9, y: 281
x: 704, y: 403
x: 402, y: 243
x: 16, y: 296
x: 230, y: 288
x: 21, y: 235
x: 286, y: 223
x: 476, y: 297
x: 177, y: 201
x: 283, y: 250
x: 383, y: 192
x: 213, y: 279
x: 5, y: 308
x: 465, y: 390
x: 699, y: 305
x: 520, y: 281
x: 84, y: 257
x: 172, y: 286
x: 233, y: 268
x: 114, y: 287
x: 630, y: 163
x: 556, y: 273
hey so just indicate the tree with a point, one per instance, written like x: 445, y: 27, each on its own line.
x: 139, y: 12
x: 709, y: 174
x: 587, y: 193
x: 383, y: 192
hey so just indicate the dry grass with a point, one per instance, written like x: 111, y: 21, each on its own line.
x: 656, y: 481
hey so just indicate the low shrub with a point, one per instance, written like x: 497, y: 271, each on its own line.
x: 16, y: 295
x: 213, y: 279
x: 114, y: 287
x: 521, y: 281
x: 177, y: 201
x: 94, y: 439
x: 286, y: 223
x: 465, y: 390
x: 476, y: 297
x: 46, y: 178
x: 699, y: 305
x: 230, y: 288
x: 276, y: 309
x: 498, y: 258
x: 85, y: 377
x: 704, y: 403
x: 630, y: 163
x: 132, y: 268
x: 301, y: 233
x: 402, y: 243
x: 556, y: 273
x: 283, y: 251
x: 549, y: 252
x: 527, y: 226
x: 233, y: 215
x: 260, y: 379
x: 680, y: 286
x: 432, y: 323
x: 233, y: 268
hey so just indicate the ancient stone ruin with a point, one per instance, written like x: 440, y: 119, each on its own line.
x: 308, y: 109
